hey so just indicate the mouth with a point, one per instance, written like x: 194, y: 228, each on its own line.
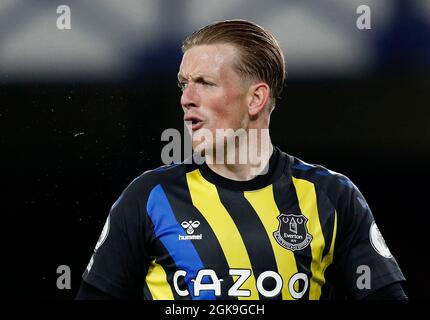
x: 196, y: 123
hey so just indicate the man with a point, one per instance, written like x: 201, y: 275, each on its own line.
x: 267, y: 227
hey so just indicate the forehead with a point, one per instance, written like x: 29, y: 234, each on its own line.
x: 210, y: 60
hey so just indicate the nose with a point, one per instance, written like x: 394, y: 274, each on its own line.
x: 190, y: 97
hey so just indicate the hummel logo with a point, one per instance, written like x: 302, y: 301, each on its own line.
x: 190, y: 227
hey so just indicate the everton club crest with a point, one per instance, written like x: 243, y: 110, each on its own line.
x: 292, y: 232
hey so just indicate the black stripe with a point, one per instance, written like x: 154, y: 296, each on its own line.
x: 328, y: 289
x: 286, y: 199
x: 326, y: 213
x: 146, y: 293
x: 208, y: 248
x: 326, y: 216
x: 165, y: 260
x: 253, y: 234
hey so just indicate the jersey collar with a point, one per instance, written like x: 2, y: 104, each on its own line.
x: 277, y: 163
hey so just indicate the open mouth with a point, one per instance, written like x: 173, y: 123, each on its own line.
x: 196, y: 123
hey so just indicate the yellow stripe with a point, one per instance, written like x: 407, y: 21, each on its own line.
x: 206, y: 199
x: 306, y: 195
x: 156, y: 279
x: 264, y: 204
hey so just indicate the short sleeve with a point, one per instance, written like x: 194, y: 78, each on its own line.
x: 117, y: 266
x: 364, y: 260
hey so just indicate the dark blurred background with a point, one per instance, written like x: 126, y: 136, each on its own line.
x: 82, y: 111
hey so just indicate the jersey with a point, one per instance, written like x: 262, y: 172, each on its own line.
x: 183, y: 232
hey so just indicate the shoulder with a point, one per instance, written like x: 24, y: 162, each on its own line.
x: 343, y: 195
x: 337, y: 186
x: 159, y: 175
x: 140, y: 188
x: 318, y: 174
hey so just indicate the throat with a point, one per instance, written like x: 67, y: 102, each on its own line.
x: 244, y: 169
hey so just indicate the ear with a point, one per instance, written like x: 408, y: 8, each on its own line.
x: 259, y: 96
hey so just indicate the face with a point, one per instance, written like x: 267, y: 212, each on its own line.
x: 213, y: 94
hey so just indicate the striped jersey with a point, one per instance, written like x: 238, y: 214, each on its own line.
x: 183, y: 232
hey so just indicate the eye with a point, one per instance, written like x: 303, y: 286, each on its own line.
x: 182, y: 85
x: 205, y: 83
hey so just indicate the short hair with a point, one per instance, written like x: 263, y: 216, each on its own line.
x: 260, y: 57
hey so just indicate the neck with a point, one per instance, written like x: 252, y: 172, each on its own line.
x: 250, y: 159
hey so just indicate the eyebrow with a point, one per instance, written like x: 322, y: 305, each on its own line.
x: 197, y: 78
